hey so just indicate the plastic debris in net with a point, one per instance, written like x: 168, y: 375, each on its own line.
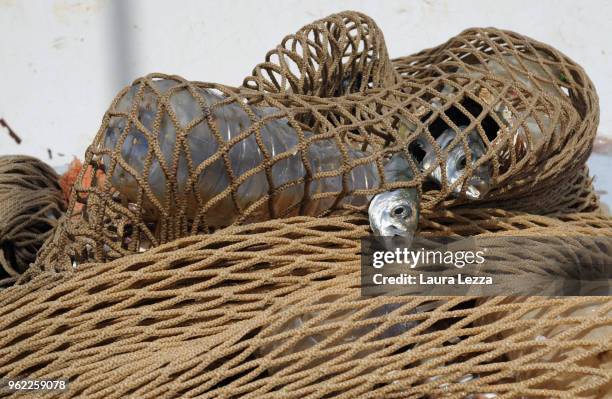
x: 465, y: 102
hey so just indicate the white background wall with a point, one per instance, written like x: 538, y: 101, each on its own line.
x: 62, y: 61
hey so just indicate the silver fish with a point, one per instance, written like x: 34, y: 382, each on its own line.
x: 543, y: 75
x: 279, y: 138
x: 394, y: 213
x: 479, y: 183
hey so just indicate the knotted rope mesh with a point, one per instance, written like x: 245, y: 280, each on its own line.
x: 274, y: 308
x: 193, y: 174
x: 517, y: 117
x: 510, y: 62
x: 343, y: 53
x: 489, y: 80
x: 30, y: 205
x: 264, y: 301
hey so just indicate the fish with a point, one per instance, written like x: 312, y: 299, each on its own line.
x: 205, y: 145
x: 394, y: 213
x: 474, y: 187
x: 538, y: 73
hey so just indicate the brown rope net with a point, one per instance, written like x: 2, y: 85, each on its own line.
x: 215, y: 230
x: 488, y: 80
x: 514, y: 119
x: 30, y: 205
x: 274, y: 309
x: 341, y: 54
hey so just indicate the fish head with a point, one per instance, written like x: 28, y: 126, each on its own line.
x: 431, y: 160
x: 478, y: 184
x: 395, y: 213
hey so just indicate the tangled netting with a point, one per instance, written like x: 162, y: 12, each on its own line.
x: 491, y: 128
x: 490, y: 117
x: 486, y: 80
x: 338, y: 55
x: 30, y: 205
x: 274, y: 309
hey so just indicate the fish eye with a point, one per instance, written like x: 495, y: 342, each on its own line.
x: 401, y: 211
x: 461, y: 163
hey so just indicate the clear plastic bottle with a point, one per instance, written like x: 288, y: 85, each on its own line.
x: 231, y: 119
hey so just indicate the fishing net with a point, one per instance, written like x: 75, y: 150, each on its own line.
x: 267, y: 301
x: 492, y: 67
x: 490, y: 117
x: 275, y: 309
x: 30, y: 205
x: 341, y: 54
x: 489, y: 83
x: 190, y: 173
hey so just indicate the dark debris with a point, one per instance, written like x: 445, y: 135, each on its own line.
x: 11, y: 132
